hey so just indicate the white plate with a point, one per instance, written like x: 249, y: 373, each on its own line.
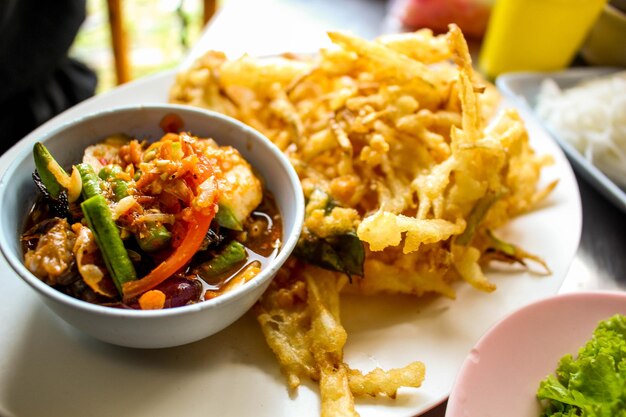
x: 521, y: 350
x: 47, y: 366
x: 524, y: 87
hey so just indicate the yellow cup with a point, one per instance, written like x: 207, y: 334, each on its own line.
x: 535, y: 35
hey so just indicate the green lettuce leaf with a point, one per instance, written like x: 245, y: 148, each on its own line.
x: 594, y: 383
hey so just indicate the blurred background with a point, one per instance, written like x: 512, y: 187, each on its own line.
x: 158, y: 34
x: 123, y: 40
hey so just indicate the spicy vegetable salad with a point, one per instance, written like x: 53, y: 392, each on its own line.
x: 149, y: 226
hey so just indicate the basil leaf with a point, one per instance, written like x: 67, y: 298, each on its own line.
x: 343, y: 253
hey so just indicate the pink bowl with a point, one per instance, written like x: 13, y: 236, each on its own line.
x: 501, y: 374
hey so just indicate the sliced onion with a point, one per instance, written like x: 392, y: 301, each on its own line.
x: 123, y: 206
x: 75, y: 186
x: 156, y: 217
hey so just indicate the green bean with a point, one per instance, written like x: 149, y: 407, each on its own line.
x: 155, y: 236
x: 91, y: 182
x: 108, y: 239
x: 232, y: 254
x: 119, y: 186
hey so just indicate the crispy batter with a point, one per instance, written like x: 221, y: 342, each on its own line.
x: 394, y: 139
x: 378, y: 382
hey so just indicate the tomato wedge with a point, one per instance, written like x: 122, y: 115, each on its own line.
x: 196, y: 231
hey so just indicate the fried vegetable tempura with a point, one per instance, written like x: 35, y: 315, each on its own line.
x: 407, y: 169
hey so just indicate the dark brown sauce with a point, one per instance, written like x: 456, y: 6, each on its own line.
x: 262, y: 238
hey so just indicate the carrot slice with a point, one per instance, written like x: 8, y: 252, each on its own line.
x: 152, y: 300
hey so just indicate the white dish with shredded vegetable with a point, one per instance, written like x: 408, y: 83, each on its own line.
x: 585, y: 110
x: 592, y: 117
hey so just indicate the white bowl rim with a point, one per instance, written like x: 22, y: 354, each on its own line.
x: 284, y: 252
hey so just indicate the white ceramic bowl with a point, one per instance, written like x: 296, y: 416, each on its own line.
x: 156, y: 328
x: 501, y: 375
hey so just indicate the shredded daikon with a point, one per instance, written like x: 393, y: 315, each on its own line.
x: 591, y: 116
